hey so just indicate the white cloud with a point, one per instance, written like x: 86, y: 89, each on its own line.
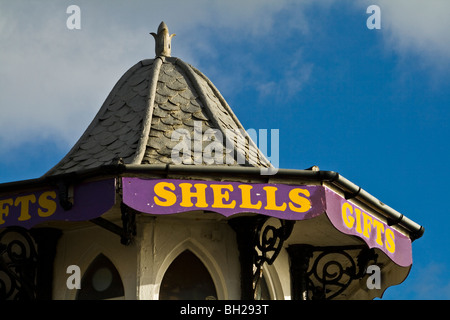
x: 50, y: 75
x: 419, y: 25
x: 416, y: 27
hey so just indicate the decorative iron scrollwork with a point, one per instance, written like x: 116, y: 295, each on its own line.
x: 326, y: 272
x: 18, y: 264
x: 259, y: 241
x: 268, y: 242
x: 270, y: 239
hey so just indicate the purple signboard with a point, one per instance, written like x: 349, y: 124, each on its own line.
x: 227, y: 198
x: 350, y: 219
x: 290, y: 202
x: 90, y: 200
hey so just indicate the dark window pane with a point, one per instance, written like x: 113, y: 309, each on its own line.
x: 187, y: 278
x: 101, y: 281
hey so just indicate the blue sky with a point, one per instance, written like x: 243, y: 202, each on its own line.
x: 372, y: 105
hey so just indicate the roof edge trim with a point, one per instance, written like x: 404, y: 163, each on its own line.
x: 146, y: 122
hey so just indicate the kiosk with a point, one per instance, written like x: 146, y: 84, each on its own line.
x: 166, y: 196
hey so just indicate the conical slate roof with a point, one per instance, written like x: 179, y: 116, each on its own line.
x: 163, y: 111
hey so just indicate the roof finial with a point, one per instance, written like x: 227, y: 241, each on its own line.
x: 162, y: 40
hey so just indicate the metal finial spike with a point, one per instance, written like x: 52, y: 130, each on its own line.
x: 162, y: 40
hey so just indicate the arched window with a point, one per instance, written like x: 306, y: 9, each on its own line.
x: 187, y: 279
x: 101, y: 281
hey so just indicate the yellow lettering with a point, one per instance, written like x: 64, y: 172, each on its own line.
x: 47, y: 202
x: 358, y: 221
x: 164, y: 197
x: 295, y: 197
x: 390, y: 240
x: 219, y: 196
x: 367, y: 224
x: 246, y: 198
x: 199, y: 194
x: 380, y: 229
x: 24, y: 202
x: 4, y: 209
x: 364, y: 224
x: 347, y: 210
x: 271, y: 200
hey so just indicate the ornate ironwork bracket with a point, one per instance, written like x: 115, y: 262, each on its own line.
x: 18, y: 265
x: 326, y: 272
x: 65, y: 194
x: 26, y: 263
x: 128, y: 229
x: 258, y: 243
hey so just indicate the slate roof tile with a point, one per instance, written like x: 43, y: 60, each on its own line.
x: 200, y: 115
x: 135, y: 124
x: 177, y: 85
x: 115, y: 145
x: 168, y: 106
x: 141, y: 87
x: 137, y: 103
x: 122, y: 131
x: 82, y: 156
x: 169, y: 120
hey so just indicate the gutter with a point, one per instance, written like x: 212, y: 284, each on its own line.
x: 393, y: 217
x: 350, y: 190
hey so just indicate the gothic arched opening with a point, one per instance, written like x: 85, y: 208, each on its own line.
x: 187, y: 279
x: 101, y: 281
